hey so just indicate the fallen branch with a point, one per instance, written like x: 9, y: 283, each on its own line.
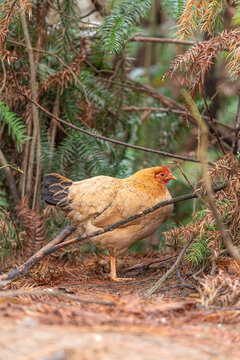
x: 170, y: 271
x: 30, y: 263
x: 58, y: 243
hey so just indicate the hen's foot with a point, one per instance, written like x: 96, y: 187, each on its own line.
x: 113, y: 274
x: 121, y: 279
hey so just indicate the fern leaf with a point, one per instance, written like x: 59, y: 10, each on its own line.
x: 198, y: 251
x: 118, y: 27
x: 173, y: 8
x: 16, y: 128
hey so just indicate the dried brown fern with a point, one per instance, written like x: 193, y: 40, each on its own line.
x: 8, y: 10
x: 194, y: 63
x: 68, y: 75
x: 11, y: 94
x: 199, y: 16
x: 221, y: 290
x: 32, y: 222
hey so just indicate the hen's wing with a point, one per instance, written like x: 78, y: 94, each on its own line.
x: 94, y: 199
x: 131, y: 198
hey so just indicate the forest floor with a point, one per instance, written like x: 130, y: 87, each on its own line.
x: 77, y: 312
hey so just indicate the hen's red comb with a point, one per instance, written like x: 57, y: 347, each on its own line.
x: 165, y: 168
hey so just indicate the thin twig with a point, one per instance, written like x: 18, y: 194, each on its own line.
x: 233, y: 250
x: 101, y: 137
x: 58, y: 243
x: 171, y: 110
x: 237, y: 129
x: 211, y: 119
x: 170, y: 271
x: 4, y: 76
x: 189, y: 182
x: 162, y: 40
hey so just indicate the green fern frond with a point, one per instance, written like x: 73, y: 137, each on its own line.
x: 3, y: 198
x: 16, y: 127
x: 198, y: 252
x: 95, y: 90
x: 173, y: 8
x: 118, y: 26
x: 236, y: 17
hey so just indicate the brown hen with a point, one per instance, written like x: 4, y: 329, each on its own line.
x: 94, y: 203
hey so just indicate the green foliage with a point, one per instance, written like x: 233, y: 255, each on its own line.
x: 118, y: 26
x: 16, y: 128
x: 3, y: 198
x: 173, y: 8
x: 236, y: 17
x: 198, y: 252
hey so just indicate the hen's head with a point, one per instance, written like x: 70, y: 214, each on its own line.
x: 164, y: 175
x: 159, y: 173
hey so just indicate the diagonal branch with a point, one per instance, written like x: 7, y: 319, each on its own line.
x: 58, y: 243
x: 162, y: 40
x: 35, y: 259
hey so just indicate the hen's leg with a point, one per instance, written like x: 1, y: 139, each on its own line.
x: 113, y: 275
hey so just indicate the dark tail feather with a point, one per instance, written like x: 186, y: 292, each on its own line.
x: 56, y: 189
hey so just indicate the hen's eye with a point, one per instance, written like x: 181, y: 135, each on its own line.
x: 162, y: 174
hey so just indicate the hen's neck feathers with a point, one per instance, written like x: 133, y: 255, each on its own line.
x: 145, y: 181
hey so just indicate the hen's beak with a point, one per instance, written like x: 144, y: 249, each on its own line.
x: 171, y: 177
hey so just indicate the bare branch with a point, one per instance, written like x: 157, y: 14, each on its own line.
x: 35, y: 259
x: 162, y: 40
x: 237, y: 129
x: 211, y: 119
x: 58, y: 243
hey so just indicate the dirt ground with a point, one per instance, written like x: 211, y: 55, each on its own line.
x: 67, y: 311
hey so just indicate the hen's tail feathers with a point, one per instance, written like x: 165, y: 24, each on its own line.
x: 56, y: 189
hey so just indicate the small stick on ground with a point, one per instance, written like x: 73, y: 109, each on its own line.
x: 170, y: 271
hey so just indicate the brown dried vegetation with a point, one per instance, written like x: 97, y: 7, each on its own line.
x: 33, y: 225
x: 199, y: 15
x: 197, y: 61
x: 227, y: 200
